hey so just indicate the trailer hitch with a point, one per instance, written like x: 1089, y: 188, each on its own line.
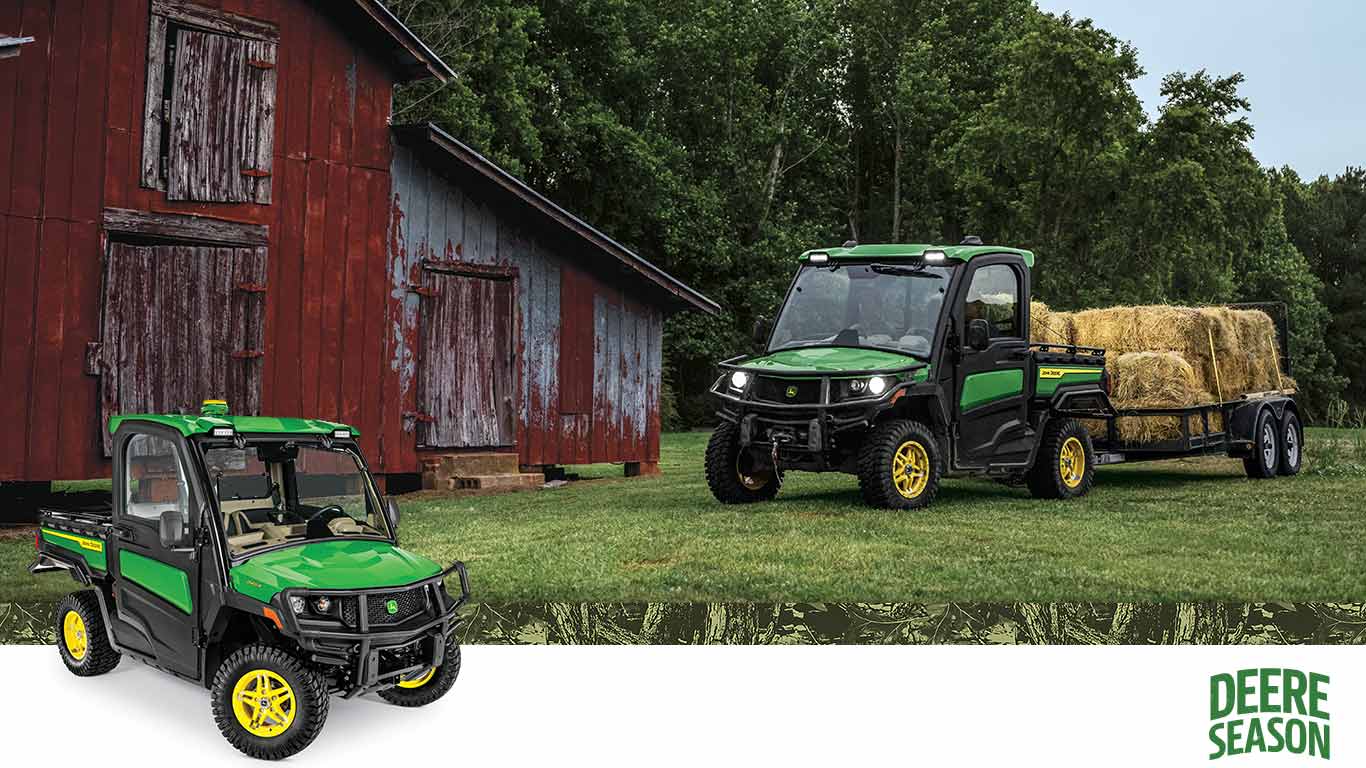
x: 776, y: 439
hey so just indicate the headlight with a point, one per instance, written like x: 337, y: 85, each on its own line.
x: 877, y: 385
x: 739, y: 379
x: 297, y: 604
x: 322, y: 604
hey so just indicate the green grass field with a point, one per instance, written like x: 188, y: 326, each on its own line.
x: 1181, y: 530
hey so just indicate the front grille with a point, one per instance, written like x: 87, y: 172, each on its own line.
x: 408, y: 603
x: 790, y: 391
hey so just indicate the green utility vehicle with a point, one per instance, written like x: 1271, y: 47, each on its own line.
x: 904, y: 363
x: 255, y: 556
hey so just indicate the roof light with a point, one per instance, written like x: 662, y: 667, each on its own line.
x: 819, y: 257
x: 344, y: 434
x: 221, y: 432
x: 935, y: 256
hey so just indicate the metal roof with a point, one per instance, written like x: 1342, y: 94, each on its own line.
x: 9, y: 46
x: 447, y: 147
x: 909, y: 251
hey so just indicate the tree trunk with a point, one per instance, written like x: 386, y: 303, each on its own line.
x: 896, y: 184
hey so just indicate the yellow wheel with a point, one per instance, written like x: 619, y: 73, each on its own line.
x: 263, y: 703
x: 1072, y: 462
x: 752, y: 481
x: 82, y: 640
x: 1064, y: 467
x: 418, y: 679
x: 899, y: 465
x: 911, y: 469
x: 73, y: 634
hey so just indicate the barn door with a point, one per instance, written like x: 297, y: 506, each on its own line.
x: 181, y: 323
x: 466, y: 367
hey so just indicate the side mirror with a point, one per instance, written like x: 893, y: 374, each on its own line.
x: 979, y: 334
x: 761, y: 330
x: 391, y: 512
x: 172, y: 529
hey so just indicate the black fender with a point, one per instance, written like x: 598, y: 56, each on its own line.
x: 80, y: 571
x: 1083, y: 401
x: 1241, y: 418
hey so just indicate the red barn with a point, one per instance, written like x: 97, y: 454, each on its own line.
x: 197, y: 199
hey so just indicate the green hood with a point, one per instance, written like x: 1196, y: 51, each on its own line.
x: 828, y: 360
x: 330, y: 565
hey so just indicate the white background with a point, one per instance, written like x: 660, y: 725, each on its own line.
x: 701, y: 706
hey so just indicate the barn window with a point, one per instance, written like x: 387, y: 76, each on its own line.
x: 209, y: 115
x: 182, y: 315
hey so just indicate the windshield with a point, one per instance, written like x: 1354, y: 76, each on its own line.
x: 279, y: 493
x: 884, y: 306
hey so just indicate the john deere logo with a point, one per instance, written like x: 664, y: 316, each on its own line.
x: 791, y: 392
x: 391, y: 607
x: 1268, y: 710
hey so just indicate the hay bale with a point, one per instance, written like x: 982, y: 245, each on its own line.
x: 1153, y: 380
x: 1047, y: 326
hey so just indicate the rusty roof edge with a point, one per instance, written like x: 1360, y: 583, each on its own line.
x: 418, y: 50
x: 434, y: 135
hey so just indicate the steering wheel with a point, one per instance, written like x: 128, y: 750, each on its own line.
x: 317, y: 522
x: 335, y: 508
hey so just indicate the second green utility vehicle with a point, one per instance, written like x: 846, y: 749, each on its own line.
x: 904, y: 363
x: 254, y: 556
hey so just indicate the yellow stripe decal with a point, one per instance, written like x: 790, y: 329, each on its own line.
x: 91, y: 544
x: 1058, y: 373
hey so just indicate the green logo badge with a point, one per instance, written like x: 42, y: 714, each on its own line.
x: 391, y: 607
x: 1269, y: 710
x: 792, y: 391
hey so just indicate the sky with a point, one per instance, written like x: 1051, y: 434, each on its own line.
x: 1304, y: 60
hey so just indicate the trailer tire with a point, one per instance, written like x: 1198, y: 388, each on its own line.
x: 726, y: 475
x: 1292, y: 444
x: 283, y: 674
x: 429, y: 687
x: 82, y: 639
x: 1265, y: 458
x: 1055, y: 474
x: 899, y: 466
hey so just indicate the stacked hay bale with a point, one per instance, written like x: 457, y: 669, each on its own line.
x: 1171, y: 357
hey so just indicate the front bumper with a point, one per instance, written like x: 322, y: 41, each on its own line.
x: 806, y: 431
x: 370, y: 657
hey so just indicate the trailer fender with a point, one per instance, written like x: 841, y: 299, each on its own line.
x: 1242, y: 420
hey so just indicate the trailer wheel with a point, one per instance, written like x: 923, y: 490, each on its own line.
x: 1292, y: 444
x: 1265, y: 458
x: 899, y: 466
x: 81, y: 636
x: 426, y: 687
x: 731, y: 475
x: 267, y: 703
x: 1065, y: 464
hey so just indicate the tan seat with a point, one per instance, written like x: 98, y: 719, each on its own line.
x: 244, y: 540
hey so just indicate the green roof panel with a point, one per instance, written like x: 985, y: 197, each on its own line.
x: 962, y: 253
x: 192, y: 424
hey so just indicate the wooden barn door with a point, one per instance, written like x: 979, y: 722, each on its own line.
x: 466, y: 379
x: 181, y: 323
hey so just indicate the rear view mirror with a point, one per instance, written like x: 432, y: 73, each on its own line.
x: 979, y: 334
x: 391, y: 512
x: 172, y: 529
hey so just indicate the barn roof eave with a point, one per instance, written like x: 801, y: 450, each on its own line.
x: 413, y: 58
x: 431, y: 136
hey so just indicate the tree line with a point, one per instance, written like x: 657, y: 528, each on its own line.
x: 720, y: 138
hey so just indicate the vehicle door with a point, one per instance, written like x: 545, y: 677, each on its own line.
x: 992, y: 403
x: 153, y: 562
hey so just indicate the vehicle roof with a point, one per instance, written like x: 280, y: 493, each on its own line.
x: 962, y: 253
x: 190, y: 424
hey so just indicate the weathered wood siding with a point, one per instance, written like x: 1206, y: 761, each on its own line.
x: 467, y: 359
x: 180, y: 321
x: 436, y: 219
x: 72, y: 108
